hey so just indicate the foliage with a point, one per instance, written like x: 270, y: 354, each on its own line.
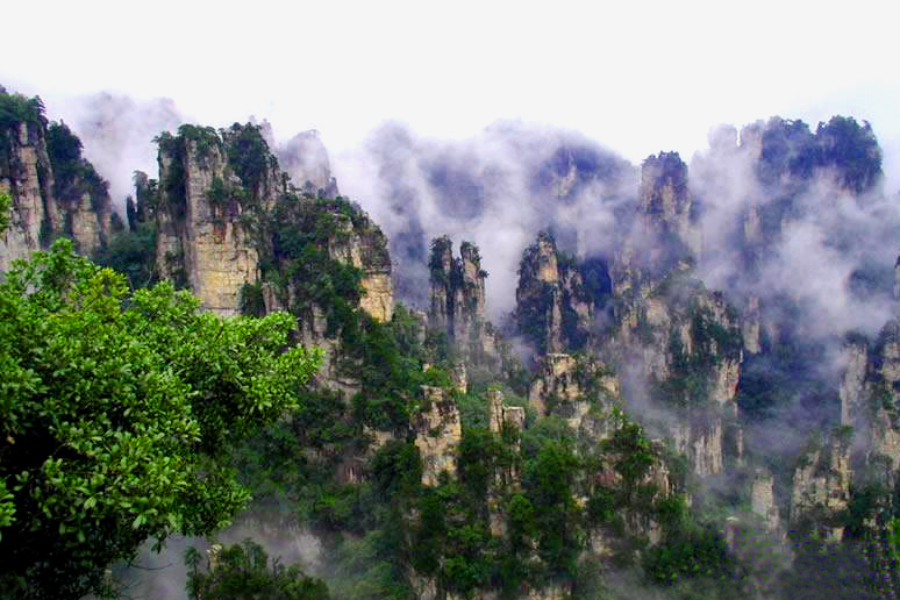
x: 397, y: 468
x: 16, y: 108
x: 696, y: 553
x: 5, y: 210
x: 549, y: 483
x: 72, y: 174
x: 531, y: 314
x: 440, y: 247
x: 116, y: 412
x: 633, y: 453
x: 852, y: 150
x: 252, y: 303
x: 827, y: 570
x: 303, y: 231
x: 691, y: 373
x: 248, y: 155
x: 536, y: 298
x: 132, y: 253
x: 243, y: 572
x: 175, y: 147
x: 787, y: 147
x: 842, y: 144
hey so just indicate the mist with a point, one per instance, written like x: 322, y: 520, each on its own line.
x: 163, y: 575
x: 497, y: 190
x: 117, y: 132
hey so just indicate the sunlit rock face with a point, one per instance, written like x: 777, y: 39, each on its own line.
x: 215, y: 198
x: 75, y: 205
x: 365, y: 248
x: 438, y: 433
x: 202, y: 240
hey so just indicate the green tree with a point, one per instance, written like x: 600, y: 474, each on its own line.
x: 117, y: 412
x: 243, y: 572
x: 5, y: 206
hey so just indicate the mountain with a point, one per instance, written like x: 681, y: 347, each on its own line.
x: 703, y: 403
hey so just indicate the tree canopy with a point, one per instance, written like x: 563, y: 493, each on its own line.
x: 117, y: 411
x: 243, y: 572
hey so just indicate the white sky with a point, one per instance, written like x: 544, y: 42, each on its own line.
x: 637, y: 76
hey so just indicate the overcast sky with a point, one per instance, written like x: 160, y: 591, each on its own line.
x: 638, y: 77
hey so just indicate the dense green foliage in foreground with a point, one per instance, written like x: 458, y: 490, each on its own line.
x: 116, y: 414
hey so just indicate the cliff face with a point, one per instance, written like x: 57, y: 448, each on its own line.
x: 665, y: 236
x: 457, y: 300
x: 55, y: 192
x: 667, y: 209
x: 221, y: 207
x: 554, y: 311
x: 25, y: 154
x: 762, y: 499
x: 364, y: 247
x: 686, y: 344
x: 580, y: 390
x: 203, y: 237
x: 438, y: 431
x: 821, y: 486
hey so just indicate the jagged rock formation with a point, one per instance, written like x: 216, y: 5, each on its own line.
x: 55, y: 192
x: 853, y: 383
x: 580, y: 390
x: 553, y: 308
x: 363, y: 246
x: 687, y: 344
x: 666, y: 236
x: 32, y: 204
x: 666, y: 207
x: 821, y: 485
x: 457, y: 300
x: 751, y: 326
x: 762, y: 499
x: 233, y: 229
x: 203, y: 238
x: 438, y: 432
x: 220, y: 200
x: 500, y: 415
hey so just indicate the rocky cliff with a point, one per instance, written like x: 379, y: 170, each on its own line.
x: 665, y: 235
x: 554, y: 310
x: 580, y: 390
x: 205, y: 210
x: 55, y: 191
x: 457, y: 306
x: 220, y: 210
x: 685, y: 344
x: 438, y: 433
x: 625, y: 445
x: 821, y: 487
